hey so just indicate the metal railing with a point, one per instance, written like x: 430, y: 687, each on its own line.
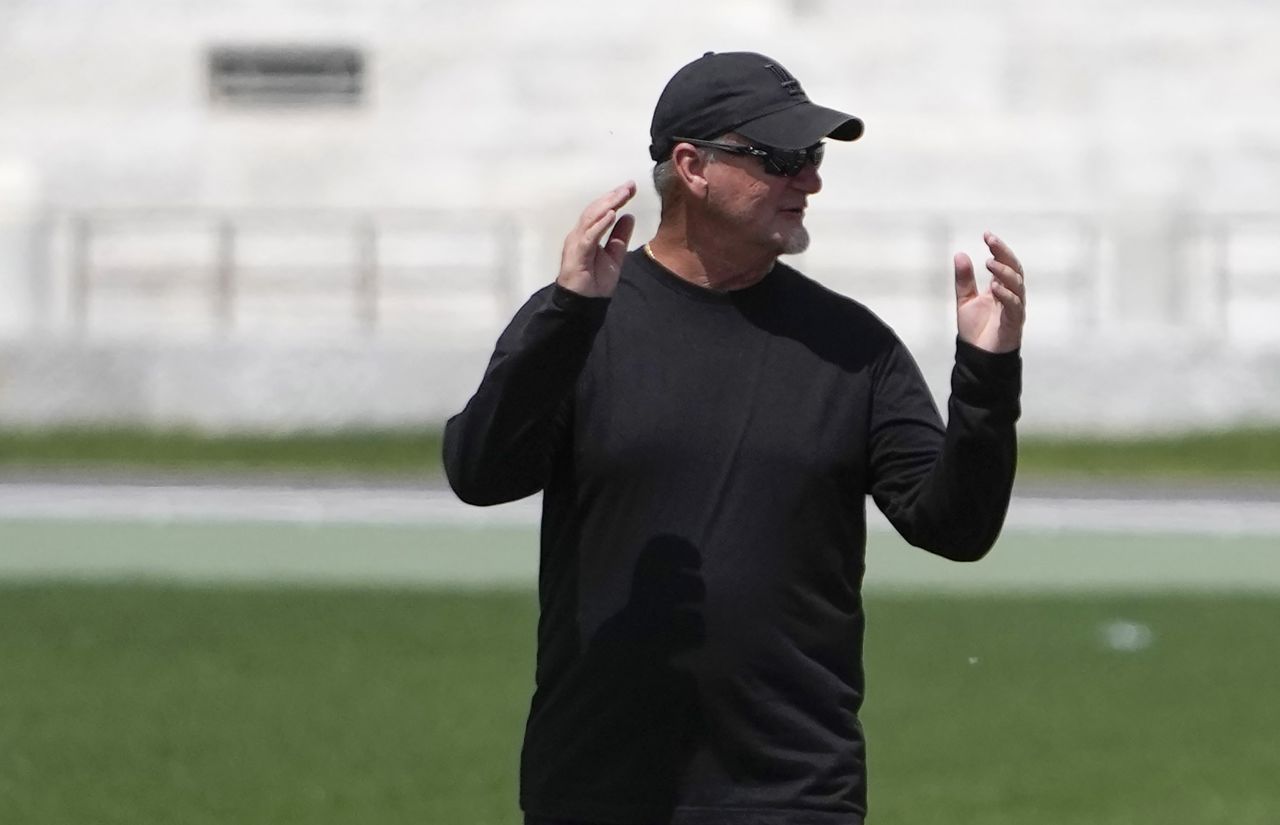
x: 221, y: 262
x: 378, y: 271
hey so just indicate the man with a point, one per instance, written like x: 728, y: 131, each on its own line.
x: 705, y: 424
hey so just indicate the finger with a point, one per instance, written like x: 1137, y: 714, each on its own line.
x: 590, y: 236
x: 1001, y: 251
x: 581, y: 245
x: 609, y: 201
x: 1014, y: 307
x: 619, y: 238
x: 622, y: 230
x: 966, y: 284
x: 1008, y: 276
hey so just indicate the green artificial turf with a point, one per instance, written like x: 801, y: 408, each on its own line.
x: 1245, y: 455
x: 385, y: 452
x: 1251, y: 455
x: 1005, y: 711
x: 131, y: 704
x: 126, y: 703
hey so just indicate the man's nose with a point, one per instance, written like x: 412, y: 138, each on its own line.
x: 808, y: 181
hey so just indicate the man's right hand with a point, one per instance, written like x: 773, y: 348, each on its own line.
x: 586, y: 267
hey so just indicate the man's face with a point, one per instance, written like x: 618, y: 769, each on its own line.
x: 763, y: 209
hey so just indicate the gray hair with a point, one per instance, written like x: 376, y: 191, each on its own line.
x: 666, y: 181
x: 664, y: 178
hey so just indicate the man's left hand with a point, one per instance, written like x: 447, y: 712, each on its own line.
x: 991, y: 320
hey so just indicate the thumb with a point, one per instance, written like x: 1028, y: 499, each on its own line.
x: 616, y: 246
x: 966, y: 285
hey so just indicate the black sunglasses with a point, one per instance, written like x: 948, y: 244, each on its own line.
x: 785, y: 162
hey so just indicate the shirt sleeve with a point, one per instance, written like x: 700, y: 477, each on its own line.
x: 946, y: 489
x: 501, y: 446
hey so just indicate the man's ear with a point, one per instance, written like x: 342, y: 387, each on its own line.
x: 691, y: 167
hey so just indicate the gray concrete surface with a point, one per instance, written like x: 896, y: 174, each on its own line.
x: 348, y: 532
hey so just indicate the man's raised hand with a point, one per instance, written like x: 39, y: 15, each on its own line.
x: 991, y: 320
x: 586, y: 267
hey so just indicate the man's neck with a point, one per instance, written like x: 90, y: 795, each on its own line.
x: 709, y: 264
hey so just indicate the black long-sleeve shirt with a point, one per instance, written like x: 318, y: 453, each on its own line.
x: 705, y: 459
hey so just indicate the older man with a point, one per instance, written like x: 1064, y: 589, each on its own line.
x: 705, y: 424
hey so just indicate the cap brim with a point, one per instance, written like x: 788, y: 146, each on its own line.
x: 801, y: 125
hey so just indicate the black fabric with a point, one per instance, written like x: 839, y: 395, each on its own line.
x: 744, y: 92
x: 705, y: 459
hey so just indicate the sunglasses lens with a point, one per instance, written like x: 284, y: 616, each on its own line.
x: 786, y: 162
x: 791, y: 162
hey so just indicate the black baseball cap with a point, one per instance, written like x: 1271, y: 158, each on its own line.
x: 747, y: 93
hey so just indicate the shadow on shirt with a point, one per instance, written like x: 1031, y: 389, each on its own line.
x: 616, y: 733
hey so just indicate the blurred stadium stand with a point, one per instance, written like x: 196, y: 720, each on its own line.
x: 290, y: 213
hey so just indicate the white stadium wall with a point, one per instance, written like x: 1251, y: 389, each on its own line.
x: 173, y: 254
